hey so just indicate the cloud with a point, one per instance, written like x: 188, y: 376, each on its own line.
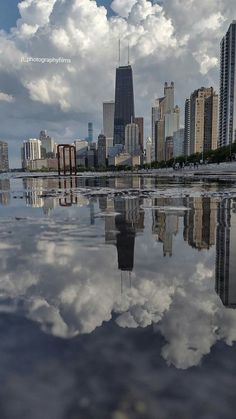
x: 6, y: 98
x: 173, y: 40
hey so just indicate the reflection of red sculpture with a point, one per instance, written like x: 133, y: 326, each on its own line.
x: 66, y: 156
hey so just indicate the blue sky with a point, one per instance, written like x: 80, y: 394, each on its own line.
x: 9, y: 12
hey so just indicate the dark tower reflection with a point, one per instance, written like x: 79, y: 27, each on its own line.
x: 124, y: 219
x: 226, y: 253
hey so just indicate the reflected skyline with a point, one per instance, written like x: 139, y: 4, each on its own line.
x: 89, y: 253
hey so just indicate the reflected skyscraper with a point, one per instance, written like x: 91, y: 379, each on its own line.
x: 4, y: 192
x: 121, y: 228
x: 226, y: 254
x: 124, y: 102
x: 165, y: 224
x: 200, y: 222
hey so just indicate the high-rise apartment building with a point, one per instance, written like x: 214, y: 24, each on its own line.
x: 203, y: 117
x: 4, y: 160
x: 227, y: 107
x: 31, y: 150
x: 140, y: 122
x: 148, y: 150
x: 108, y: 121
x: 132, y: 145
x: 187, y: 128
x: 167, y: 122
x: 124, y: 102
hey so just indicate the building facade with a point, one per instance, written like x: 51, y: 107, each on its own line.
x: 31, y: 150
x: 187, y: 128
x: 227, y: 106
x: 124, y: 102
x: 203, y: 115
x: 132, y: 145
x: 167, y: 123
x: 178, y: 142
x: 102, y: 151
x: 108, y: 121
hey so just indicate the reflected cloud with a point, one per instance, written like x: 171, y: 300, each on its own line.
x: 51, y: 275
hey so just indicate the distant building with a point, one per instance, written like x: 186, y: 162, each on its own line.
x: 227, y: 107
x: 108, y: 122
x: 187, y: 128
x: 132, y: 145
x: 124, y: 102
x: 47, y: 144
x: 102, y: 151
x: 124, y: 159
x: 169, y: 148
x: 81, y: 152
x: 167, y: 123
x: 90, y: 132
x: 140, y: 122
x: 178, y: 142
x: 31, y: 150
x: 4, y: 160
x: 203, y: 120
x: 92, y: 155
x: 148, y: 150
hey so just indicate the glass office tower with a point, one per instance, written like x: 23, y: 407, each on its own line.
x: 124, y: 102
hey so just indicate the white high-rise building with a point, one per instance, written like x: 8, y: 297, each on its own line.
x: 148, y: 150
x: 31, y: 150
x: 108, y: 121
x: 132, y: 145
x: 227, y: 112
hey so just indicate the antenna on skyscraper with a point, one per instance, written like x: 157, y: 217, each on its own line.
x: 128, y: 55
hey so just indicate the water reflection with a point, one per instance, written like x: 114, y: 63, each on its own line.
x: 68, y: 271
x: 226, y: 253
x: 4, y: 192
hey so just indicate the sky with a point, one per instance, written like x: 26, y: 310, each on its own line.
x: 171, y: 40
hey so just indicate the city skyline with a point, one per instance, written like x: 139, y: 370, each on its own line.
x: 65, y: 114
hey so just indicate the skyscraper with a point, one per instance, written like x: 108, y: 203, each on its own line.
x: 90, y: 132
x: 108, y: 121
x: 140, y: 122
x: 47, y: 144
x: 132, y: 145
x: 203, y: 120
x: 187, y: 128
x: 167, y: 123
x: 4, y: 161
x: 227, y: 113
x: 124, y: 102
x: 102, y: 150
x: 31, y: 149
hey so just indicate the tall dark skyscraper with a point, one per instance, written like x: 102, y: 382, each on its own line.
x: 227, y: 113
x: 124, y: 102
